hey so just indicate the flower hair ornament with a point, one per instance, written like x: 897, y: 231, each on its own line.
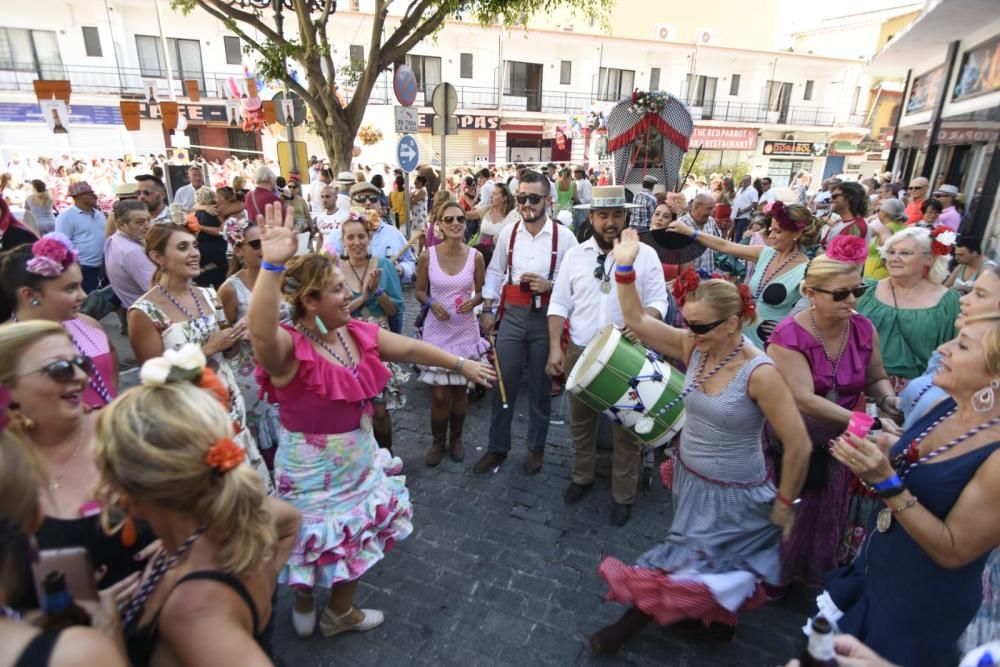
x: 848, y: 249
x: 942, y: 241
x: 192, y: 224
x: 52, y: 255
x: 779, y: 214
x: 749, y: 304
x: 235, y: 230
x: 224, y: 455
x: 686, y: 283
x: 370, y: 217
x: 185, y: 364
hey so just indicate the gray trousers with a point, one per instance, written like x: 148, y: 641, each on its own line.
x: 522, y: 346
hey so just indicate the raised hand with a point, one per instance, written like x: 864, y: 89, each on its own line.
x: 374, y: 281
x: 627, y: 247
x: 681, y: 228
x: 278, y: 240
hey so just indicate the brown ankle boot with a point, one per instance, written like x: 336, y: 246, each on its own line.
x: 455, y: 438
x: 609, y: 639
x: 439, y: 429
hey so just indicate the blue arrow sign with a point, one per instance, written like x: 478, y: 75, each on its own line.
x: 407, y: 153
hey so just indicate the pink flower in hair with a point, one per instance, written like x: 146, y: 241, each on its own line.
x: 52, y: 254
x: 848, y: 249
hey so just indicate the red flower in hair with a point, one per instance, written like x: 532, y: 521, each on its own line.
x: 685, y: 283
x: 210, y: 381
x: 749, y: 305
x: 780, y: 215
x: 225, y: 455
x: 848, y: 249
x: 942, y: 240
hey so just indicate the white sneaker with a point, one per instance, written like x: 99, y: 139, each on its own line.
x: 304, y: 622
x: 331, y: 625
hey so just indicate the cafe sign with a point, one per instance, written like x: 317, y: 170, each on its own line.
x: 794, y: 149
x: 197, y: 113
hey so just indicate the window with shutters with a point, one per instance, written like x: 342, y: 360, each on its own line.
x: 654, y: 78
x: 734, y: 85
x: 234, y: 54
x: 565, y: 72
x: 808, y: 93
x: 185, y: 58
x: 35, y: 51
x: 427, y: 70
x: 613, y: 84
x: 465, y: 65
x: 92, y: 42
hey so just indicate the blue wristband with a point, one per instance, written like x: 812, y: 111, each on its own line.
x: 379, y: 292
x: 694, y: 235
x: 624, y: 268
x: 277, y: 268
x: 887, y: 484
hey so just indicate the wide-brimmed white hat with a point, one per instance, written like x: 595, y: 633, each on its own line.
x: 607, y: 196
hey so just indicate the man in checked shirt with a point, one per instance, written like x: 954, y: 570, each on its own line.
x: 646, y: 202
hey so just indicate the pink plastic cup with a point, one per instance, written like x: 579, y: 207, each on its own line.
x: 860, y: 424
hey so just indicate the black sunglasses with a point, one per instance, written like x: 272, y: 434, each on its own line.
x: 63, y: 371
x: 371, y: 199
x: 702, y: 329
x: 449, y: 219
x: 524, y: 199
x: 841, y: 294
x: 599, y: 271
x: 255, y: 244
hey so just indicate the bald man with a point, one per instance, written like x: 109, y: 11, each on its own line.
x: 917, y: 193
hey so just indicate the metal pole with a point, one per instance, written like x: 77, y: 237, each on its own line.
x: 406, y: 203
x: 444, y: 150
x: 166, y: 52
x: 293, y: 154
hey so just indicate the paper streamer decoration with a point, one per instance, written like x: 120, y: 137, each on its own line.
x: 270, y: 113
x: 193, y: 89
x: 130, y: 114
x: 47, y: 89
x: 168, y: 110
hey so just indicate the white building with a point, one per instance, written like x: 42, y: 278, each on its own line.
x: 777, y: 111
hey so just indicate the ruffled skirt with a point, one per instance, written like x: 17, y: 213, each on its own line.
x: 720, y: 548
x: 354, y: 503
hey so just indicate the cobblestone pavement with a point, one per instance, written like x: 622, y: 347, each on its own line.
x: 499, y: 571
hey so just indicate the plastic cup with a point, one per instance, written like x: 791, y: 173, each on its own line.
x: 860, y: 424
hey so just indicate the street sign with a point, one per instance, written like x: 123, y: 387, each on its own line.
x: 407, y: 120
x: 438, y: 126
x: 404, y: 85
x: 407, y: 153
x: 444, y: 100
x: 285, y: 160
x: 281, y: 108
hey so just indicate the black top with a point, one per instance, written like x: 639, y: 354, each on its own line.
x: 140, y: 641
x: 38, y: 652
x: 16, y: 236
x: 104, y: 550
x: 214, y: 265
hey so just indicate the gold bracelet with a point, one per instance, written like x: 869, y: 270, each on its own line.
x: 905, y: 506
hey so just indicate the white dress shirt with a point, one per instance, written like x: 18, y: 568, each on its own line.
x: 577, y: 293
x: 185, y: 197
x: 485, y: 193
x: 743, y: 202
x: 583, y: 190
x: 532, y: 254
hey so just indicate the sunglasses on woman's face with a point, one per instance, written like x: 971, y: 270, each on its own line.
x: 254, y: 245
x: 702, y: 329
x: 63, y: 371
x: 841, y: 294
x: 533, y: 198
x: 449, y: 219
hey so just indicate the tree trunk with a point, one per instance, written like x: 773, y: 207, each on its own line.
x: 338, y: 140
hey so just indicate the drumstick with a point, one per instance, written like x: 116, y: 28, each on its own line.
x: 496, y: 367
x: 409, y: 244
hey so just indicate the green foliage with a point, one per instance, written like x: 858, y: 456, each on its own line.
x: 709, y: 163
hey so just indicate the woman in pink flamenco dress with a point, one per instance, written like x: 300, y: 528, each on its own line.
x: 450, y: 279
x: 324, y: 369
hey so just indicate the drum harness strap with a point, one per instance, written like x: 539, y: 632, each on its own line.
x: 537, y: 299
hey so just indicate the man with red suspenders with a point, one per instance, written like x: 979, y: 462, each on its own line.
x: 526, y: 260
x: 585, y: 294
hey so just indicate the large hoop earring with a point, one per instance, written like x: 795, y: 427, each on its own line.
x: 984, y: 399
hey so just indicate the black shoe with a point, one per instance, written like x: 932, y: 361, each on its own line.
x: 695, y: 630
x: 576, y: 492
x: 533, y: 465
x: 477, y: 392
x: 621, y: 514
x: 489, y: 461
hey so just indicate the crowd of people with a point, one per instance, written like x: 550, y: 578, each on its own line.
x: 838, y: 354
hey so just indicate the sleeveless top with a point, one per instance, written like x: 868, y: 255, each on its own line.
x: 141, y: 640
x: 460, y: 333
x: 776, y: 298
x: 39, y: 650
x: 963, y: 285
x: 44, y: 215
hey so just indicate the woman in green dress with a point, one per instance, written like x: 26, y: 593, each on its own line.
x: 779, y: 267
x: 565, y: 192
x: 892, y: 218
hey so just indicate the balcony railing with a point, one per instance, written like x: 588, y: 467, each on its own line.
x: 124, y: 81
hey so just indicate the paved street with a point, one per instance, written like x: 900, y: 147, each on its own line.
x: 499, y: 571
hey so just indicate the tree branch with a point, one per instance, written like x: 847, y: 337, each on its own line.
x: 227, y: 12
x: 242, y: 34
x: 407, y: 25
x: 431, y: 24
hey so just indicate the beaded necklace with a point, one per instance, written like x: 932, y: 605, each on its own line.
x: 177, y: 304
x: 907, y: 460
x: 832, y: 395
x: 96, y: 379
x: 133, y: 609
x: 921, y: 395
x: 699, y: 381
x: 351, y: 364
x: 764, y: 282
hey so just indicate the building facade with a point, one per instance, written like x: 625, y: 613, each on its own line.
x: 522, y: 92
x: 949, y: 127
